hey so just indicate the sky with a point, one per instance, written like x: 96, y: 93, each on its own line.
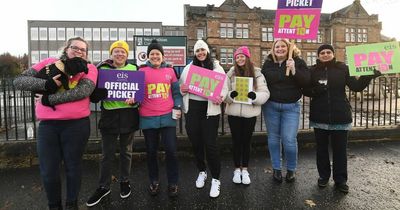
x: 15, y: 13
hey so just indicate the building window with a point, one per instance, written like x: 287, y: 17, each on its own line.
x: 34, y: 34
x: 61, y: 34
x: 113, y: 34
x: 70, y: 33
x: 35, y: 57
x: 53, y: 54
x: 311, y: 58
x: 122, y: 34
x: 87, y: 34
x: 96, y: 56
x: 264, y: 55
x: 130, y: 32
x: 52, y: 34
x: 200, y: 33
x: 139, y: 32
x: 242, y: 30
x: 89, y: 55
x: 105, y: 55
x: 226, y: 55
x: 356, y: 35
x: 105, y: 34
x: 362, y: 35
x: 319, y: 38
x: 267, y: 34
x: 156, y: 32
x: 96, y: 34
x: 44, y: 55
x: 147, y: 31
x: 226, y: 30
x: 350, y: 35
x: 43, y: 33
x: 130, y: 55
x: 79, y: 32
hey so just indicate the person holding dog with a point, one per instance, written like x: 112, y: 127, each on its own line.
x: 119, y: 120
x: 64, y: 131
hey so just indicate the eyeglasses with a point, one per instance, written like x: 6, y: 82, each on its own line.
x: 77, y: 49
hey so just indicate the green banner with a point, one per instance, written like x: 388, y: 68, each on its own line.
x: 364, y: 59
x: 163, y: 40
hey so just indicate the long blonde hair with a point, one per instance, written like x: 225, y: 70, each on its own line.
x: 296, y: 51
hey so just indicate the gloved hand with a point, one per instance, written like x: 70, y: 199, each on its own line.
x: 252, y: 95
x: 376, y: 74
x: 45, y: 101
x: 319, y: 89
x: 234, y: 94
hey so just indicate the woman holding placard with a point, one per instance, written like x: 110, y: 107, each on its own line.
x: 202, y: 118
x: 247, y: 92
x: 330, y: 113
x: 282, y: 110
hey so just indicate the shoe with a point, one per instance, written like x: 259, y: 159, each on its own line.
x: 245, y: 177
x: 125, y: 189
x: 97, y: 196
x: 173, y: 191
x: 201, y: 179
x: 342, y: 187
x: 215, y: 188
x: 322, y: 182
x: 277, y: 175
x: 290, y: 176
x: 71, y: 205
x: 154, y: 188
x: 237, y: 176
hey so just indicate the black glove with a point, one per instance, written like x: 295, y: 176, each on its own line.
x: 252, y: 95
x: 50, y: 86
x: 319, y: 89
x: 373, y: 76
x: 234, y: 94
x: 46, y: 102
x: 98, y: 95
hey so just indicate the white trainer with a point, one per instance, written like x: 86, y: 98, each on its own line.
x: 201, y: 179
x: 245, y: 177
x: 215, y: 188
x: 237, y: 176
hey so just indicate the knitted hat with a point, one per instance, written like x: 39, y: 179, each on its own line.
x: 201, y: 44
x: 120, y: 44
x: 242, y: 50
x: 324, y: 47
x: 154, y: 45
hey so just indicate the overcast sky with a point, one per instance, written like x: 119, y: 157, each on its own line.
x: 15, y: 13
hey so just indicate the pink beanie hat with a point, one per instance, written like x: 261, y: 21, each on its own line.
x: 242, y: 50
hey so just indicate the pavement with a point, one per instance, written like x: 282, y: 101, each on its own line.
x: 374, y: 169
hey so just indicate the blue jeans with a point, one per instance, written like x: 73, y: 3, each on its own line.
x: 168, y: 138
x: 62, y: 141
x: 282, y: 121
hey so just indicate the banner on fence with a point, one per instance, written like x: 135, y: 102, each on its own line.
x: 364, y: 59
x: 243, y: 85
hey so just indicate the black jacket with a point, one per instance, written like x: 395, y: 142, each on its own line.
x: 330, y: 104
x: 285, y: 89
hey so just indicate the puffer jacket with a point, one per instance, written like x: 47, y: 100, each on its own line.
x: 247, y: 110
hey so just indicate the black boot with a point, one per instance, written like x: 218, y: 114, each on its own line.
x: 290, y: 176
x: 277, y: 175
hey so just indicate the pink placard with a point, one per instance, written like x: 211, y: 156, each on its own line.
x: 297, y: 23
x: 204, y: 82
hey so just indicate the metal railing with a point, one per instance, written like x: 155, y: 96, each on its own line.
x: 378, y: 105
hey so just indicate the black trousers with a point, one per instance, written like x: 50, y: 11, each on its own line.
x: 338, y: 140
x: 202, y: 131
x: 242, y: 130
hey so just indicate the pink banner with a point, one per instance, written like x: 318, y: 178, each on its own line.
x: 297, y: 23
x: 204, y: 82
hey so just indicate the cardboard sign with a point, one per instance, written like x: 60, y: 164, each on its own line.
x: 297, y: 19
x: 204, y: 82
x: 243, y: 85
x: 122, y: 84
x: 364, y: 59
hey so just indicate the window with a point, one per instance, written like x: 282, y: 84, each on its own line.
x: 61, y: 34
x: 96, y: 34
x: 105, y: 55
x: 242, y: 30
x: 168, y: 33
x: 89, y: 55
x: 44, y: 55
x: 96, y: 56
x: 200, y: 33
x: 87, y: 34
x: 139, y: 32
x: 122, y: 34
x: 43, y: 33
x: 226, y: 30
x: 319, y: 38
x: 105, y: 34
x: 130, y: 33
x: 267, y: 34
x: 356, y: 35
x: 53, y: 54
x: 226, y: 55
x: 79, y: 32
x: 147, y: 31
x: 130, y: 56
x: 156, y: 32
x: 311, y: 58
x: 113, y: 34
x: 34, y: 34
x: 34, y: 57
x: 264, y: 55
x: 70, y: 33
x: 52, y: 34
x: 365, y: 35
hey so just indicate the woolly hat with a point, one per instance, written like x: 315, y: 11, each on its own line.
x: 324, y: 47
x: 120, y: 44
x: 201, y: 44
x: 154, y: 45
x: 242, y: 50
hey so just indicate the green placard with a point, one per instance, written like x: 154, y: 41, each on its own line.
x: 364, y: 59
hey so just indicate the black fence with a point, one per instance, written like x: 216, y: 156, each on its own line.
x: 377, y: 105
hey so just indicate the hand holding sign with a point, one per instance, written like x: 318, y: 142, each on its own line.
x: 130, y: 101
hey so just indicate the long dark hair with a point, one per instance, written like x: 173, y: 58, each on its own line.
x: 207, y: 63
x: 246, y: 71
x: 68, y: 44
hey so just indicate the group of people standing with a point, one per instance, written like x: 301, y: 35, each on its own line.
x: 64, y: 117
